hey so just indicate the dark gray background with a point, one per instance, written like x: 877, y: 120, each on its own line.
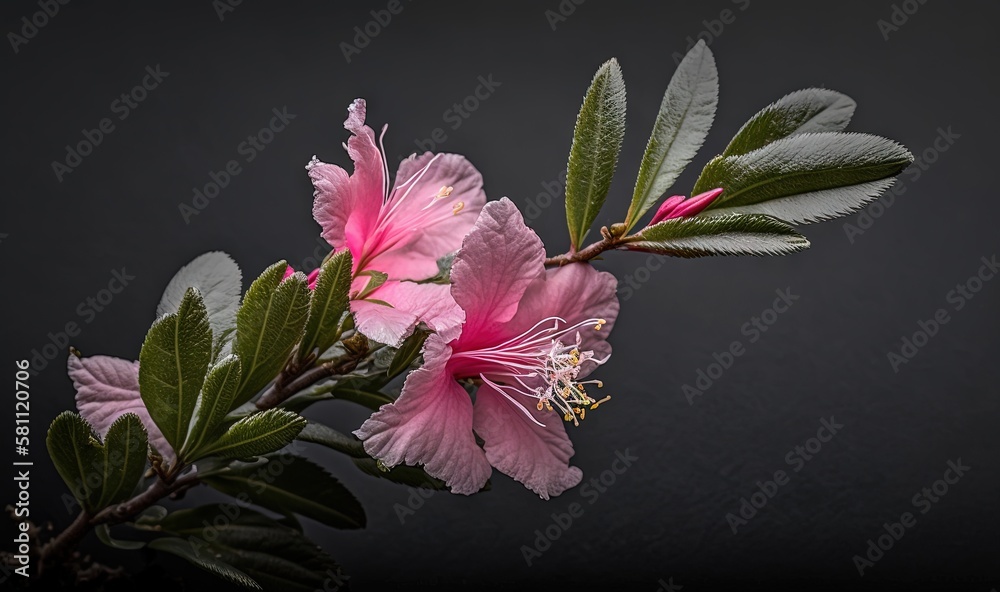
x: 665, y: 517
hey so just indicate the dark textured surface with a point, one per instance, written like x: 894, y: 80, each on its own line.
x: 665, y: 517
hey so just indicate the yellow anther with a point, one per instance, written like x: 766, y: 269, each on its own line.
x: 568, y: 417
x: 455, y: 209
x: 600, y: 323
x: 596, y: 403
x: 540, y: 405
x: 445, y: 191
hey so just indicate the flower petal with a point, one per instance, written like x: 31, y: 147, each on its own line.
x: 347, y: 207
x: 573, y: 292
x: 107, y: 387
x: 536, y: 456
x: 430, y: 424
x: 499, y: 259
x: 411, y: 303
x: 424, y: 228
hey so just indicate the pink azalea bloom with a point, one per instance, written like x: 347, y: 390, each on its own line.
x: 530, y: 335
x: 400, y: 229
x: 679, y: 206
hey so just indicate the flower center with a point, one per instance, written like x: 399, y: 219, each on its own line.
x: 542, y: 364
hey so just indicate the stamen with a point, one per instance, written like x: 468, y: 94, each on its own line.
x: 455, y: 209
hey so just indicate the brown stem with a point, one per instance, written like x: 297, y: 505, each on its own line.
x: 281, y: 391
x: 587, y: 253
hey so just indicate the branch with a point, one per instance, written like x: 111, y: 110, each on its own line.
x: 283, y: 389
x: 609, y: 241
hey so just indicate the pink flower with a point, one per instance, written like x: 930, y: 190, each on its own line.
x: 530, y: 335
x: 679, y: 206
x: 400, y: 230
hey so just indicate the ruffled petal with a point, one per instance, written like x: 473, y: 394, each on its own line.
x: 347, y: 207
x: 499, y: 259
x: 536, y: 456
x: 430, y: 424
x: 108, y: 387
x: 411, y: 304
x: 573, y: 292
x: 423, y: 227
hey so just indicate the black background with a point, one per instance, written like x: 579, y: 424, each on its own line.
x: 665, y: 517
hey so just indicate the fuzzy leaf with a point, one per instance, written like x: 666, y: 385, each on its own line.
x: 204, y: 557
x: 78, y: 457
x: 219, y: 280
x: 807, y: 110
x: 806, y: 177
x: 274, y: 555
x: 318, y: 433
x: 268, y: 326
x: 597, y: 140
x: 328, y: 304
x: 216, y: 400
x: 103, y: 532
x: 407, y: 353
x: 738, y: 234
x: 257, y: 434
x: 125, y: 449
x: 172, y: 366
x: 301, y: 487
x: 685, y: 117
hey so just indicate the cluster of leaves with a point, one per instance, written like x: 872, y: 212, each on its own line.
x: 204, y: 362
x: 791, y: 164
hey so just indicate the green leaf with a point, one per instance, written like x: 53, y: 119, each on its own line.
x: 328, y: 304
x: 268, y: 326
x: 318, y: 433
x: 806, y: 177
x: 125, y: 447
x: 216, y: 400
x: 172, y: 366
x: 289, y: 483
x: 403, y: 474
x: 407, y: 353
x: 103, y: 532
x: 736, y: 234
x: 807, y: 110
x: 205, y: 557
x: 219, y: 281
x: 257, y: 434
x: 274, y: 555
x: 377, y: 279
x: 76, y: 452
x: 685, y: 117
x: 597, y: 140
